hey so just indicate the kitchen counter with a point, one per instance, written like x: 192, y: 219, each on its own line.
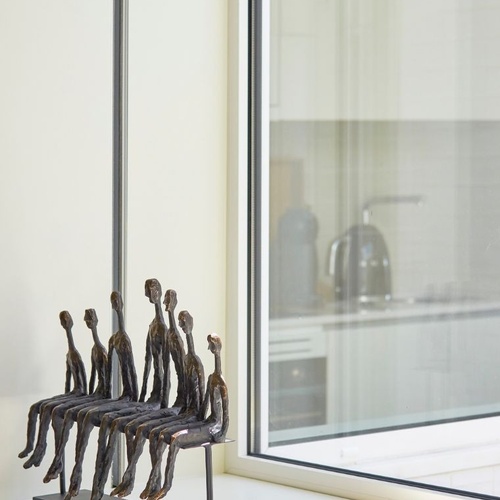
x: 351, y: 314
x: 380, y: 360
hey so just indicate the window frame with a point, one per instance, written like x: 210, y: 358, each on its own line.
x: 241, y: 314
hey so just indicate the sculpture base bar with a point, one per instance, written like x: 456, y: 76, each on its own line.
x: 83, y: 495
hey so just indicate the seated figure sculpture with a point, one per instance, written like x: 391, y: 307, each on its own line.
x: 139, y: 429
x: 64, y: 415
x: 75, y: 371
x: 183, y: 425
x: 92, y: 415
x: 55, y: 410
x: 212, y: 429
x: 161, y: 343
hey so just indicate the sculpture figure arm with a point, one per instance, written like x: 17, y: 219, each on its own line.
x: 109, y: 369
x: 166, y: 373
x: 206, y: 401
x: 147, y: 368
x: 67, y: 383
x: 92, y: 376
x: 225, y: 415
x: 200, y: 388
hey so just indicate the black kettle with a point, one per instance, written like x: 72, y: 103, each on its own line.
x: 360, y: 266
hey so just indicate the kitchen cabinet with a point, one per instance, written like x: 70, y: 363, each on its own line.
x: 383, y: 60
x: 413, y: 372
x: 393, y: 368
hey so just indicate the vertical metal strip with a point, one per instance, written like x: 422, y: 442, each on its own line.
x: 120, y: 101
x: 254, y: 158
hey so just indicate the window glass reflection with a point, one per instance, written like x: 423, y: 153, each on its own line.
x: 384, y: 277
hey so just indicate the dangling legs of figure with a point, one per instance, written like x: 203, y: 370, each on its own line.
x: 64, y: 419
x: 156, y: 450
x: 32, y: 417
x: 159, y: 439
x: 59, y: 412
x: 136, y: 441
x: 181, y: 439
x: 111, y: 425
x: 43, y: 427
x: 87, y: 420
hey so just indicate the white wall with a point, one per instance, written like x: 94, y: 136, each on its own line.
x: 55, y: 194
x: 55, y: 214
x: 177, y: 173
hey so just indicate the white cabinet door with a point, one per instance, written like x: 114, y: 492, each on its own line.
x: 414, y: 372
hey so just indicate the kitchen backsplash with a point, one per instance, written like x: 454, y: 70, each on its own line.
x: 449, y: 246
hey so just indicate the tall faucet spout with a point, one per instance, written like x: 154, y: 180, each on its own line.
x: 388, y: 200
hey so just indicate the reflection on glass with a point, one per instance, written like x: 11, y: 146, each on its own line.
x: 384, y: 220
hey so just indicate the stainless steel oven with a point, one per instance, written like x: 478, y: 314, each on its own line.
x: 297, y: 377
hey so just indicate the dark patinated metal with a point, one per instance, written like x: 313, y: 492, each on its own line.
x: 90, y: 417
x: 183, y: 425
x: 211, y: 429
x: 175, y: 349
x: 140, y: 429
x: 64, y: 415
x: 75, y: 372
x: 114, y: 423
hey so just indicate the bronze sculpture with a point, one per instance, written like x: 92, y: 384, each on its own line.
x: 175, y: 348
x: 75, y: 371
x: 157, y: 348
x: 55, y: 410
x: 213, y: 429
x: 64, y: 415
x: 183, y: 425
x: 90, y: 417
x: 140, y: 429
x: 154, y: 344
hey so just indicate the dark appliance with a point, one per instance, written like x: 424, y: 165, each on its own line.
x: 360, y: 266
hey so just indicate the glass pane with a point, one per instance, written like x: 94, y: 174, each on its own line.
x: 384, y: 276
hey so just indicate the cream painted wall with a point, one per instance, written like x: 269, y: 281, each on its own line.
x: 55, y: 215
x: 55, y: 194
x: 177, y: 174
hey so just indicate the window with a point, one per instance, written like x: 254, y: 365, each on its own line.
x: 374, y: 306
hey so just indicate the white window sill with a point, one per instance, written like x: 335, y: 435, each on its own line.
x: 227, y: 486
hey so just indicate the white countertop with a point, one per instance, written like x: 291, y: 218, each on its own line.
x: 390, y: 311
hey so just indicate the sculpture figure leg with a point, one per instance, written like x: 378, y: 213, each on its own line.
x: 85, y: 426
x: 64, y: 419
x: 59, y: 412
x: 87, y: 419
x: 127, y: 483
x: 181, y: 439
x: 111, y: 425
x: 101, y: 451
x: 159, y: 438
x: 32, y: 417
x: 43, y: 428
x: 136, y: 433
x: 156, y: 449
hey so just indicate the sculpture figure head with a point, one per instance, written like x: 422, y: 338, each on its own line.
x: 214, y: 343
x: 152, y: 289
x: 90, y: 318
x: 66, y: 319
x: 186, y: 322
x: 116, y: 301
x: 170, y: 300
